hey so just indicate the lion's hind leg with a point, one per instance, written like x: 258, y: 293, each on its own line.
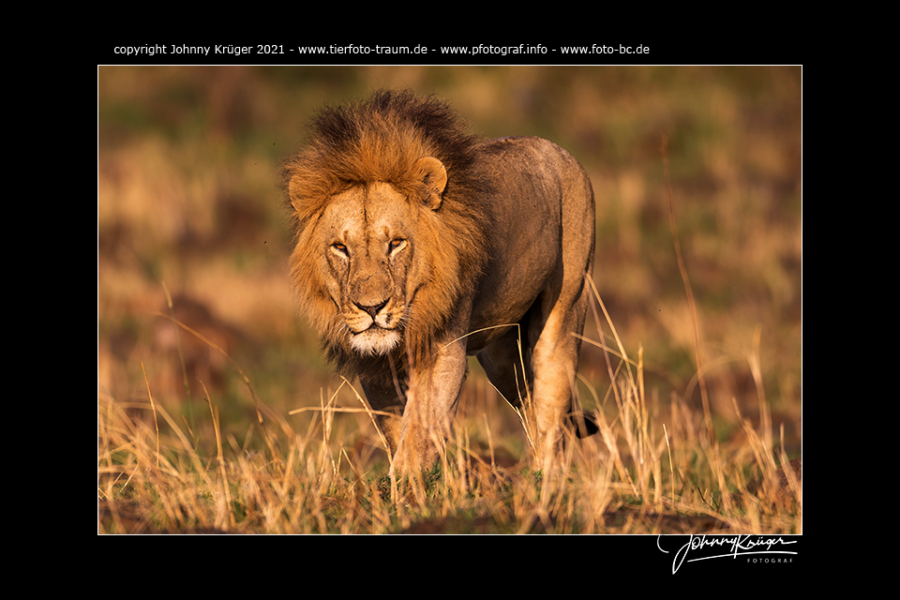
x: 555, y: 361
x: 508, y: 368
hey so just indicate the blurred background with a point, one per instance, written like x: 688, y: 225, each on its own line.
x: 189, y: 201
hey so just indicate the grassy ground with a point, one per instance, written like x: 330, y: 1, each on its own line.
x: 239, y: 426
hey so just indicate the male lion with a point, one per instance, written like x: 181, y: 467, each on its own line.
x: 418, y: 243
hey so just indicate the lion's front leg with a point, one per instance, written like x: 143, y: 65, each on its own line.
x: 386, y: 396
x: 431, y: 402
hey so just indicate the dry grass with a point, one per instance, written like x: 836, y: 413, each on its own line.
x: 636, y: 476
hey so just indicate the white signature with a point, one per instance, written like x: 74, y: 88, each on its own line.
x: 743, y: 545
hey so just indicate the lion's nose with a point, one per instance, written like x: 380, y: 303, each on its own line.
x: 372, y: 310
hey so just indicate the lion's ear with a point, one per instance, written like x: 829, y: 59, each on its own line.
x: 433, y: 174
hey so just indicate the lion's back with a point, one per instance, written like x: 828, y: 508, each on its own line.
x: 542, y: 216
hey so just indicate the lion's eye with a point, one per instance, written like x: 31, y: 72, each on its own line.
x: 340, y: 249
x: 397, y: 245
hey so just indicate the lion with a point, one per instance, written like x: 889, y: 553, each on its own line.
x: 418, y: 243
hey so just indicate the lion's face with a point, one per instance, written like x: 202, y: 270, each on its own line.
x: 374, y: 249
x: 367, y: 237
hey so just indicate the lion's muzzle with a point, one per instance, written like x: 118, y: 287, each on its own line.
x: 373, y: 329
x: 371, y: 310
x: 375, y: 340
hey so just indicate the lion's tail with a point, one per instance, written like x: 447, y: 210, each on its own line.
x: 585, y: 424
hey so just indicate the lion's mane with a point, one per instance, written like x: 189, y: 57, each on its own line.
x: 380, y: 140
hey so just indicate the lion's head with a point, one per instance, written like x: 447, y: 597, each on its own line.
x: 386, y: 204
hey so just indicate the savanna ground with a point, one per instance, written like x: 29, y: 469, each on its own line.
x: 231, y: 421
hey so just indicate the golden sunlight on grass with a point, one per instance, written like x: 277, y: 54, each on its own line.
x: 652, y: 469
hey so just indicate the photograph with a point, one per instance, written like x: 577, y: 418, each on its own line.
x: 502, y: 298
